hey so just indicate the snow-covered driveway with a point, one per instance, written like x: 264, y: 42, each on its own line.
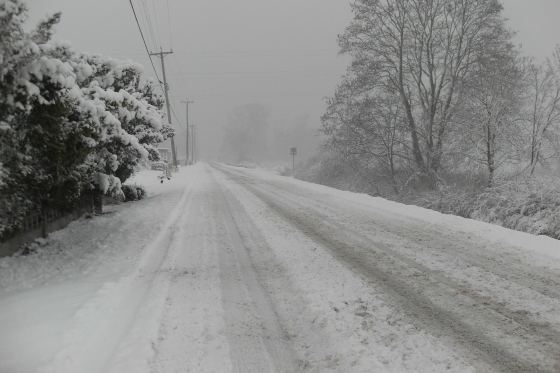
x: 225, y: 269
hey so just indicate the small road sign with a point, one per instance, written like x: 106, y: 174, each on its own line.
x: 293, y: 151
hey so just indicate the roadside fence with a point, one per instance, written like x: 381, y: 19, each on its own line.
x: 40, y: 224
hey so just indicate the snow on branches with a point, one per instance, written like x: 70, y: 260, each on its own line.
x: 69, y: 121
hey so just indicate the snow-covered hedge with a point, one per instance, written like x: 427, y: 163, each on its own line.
x: 69, y: 121
x: 530, y: 205
x: 527, y: 204
x: 449, y: 200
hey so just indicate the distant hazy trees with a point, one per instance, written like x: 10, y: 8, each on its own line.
x: 245, y: 134
x: 437, y: 85
x: 249, y: 135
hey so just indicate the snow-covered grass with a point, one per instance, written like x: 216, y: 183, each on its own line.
x: 526, y: 204
x: 530, y: 205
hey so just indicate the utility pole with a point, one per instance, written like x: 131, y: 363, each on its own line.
x: 187, y: 102
x: 161, y: 54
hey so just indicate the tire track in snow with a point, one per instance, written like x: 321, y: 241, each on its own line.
x: 380, y: 265
x: 98, y: 327
x: 505, y: 285
x: 506, y: 269
x: 543, y: 280
x: 257, y: 342
x: 537, y: 330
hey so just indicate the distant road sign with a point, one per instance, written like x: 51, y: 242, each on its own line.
x: 293, y: 151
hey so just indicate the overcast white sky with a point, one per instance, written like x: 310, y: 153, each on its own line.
x: 281, y: 54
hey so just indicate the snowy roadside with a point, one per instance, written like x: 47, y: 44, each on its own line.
x: 67, y: 305
x: 539, y: 250
x: 171, y: 283
x: 510, y: 281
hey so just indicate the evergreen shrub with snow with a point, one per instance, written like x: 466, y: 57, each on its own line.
x: 70, y: 122
x: 133, y: 192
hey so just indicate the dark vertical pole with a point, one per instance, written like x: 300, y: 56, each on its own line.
x: 161, y: 54
x: 44, y: 222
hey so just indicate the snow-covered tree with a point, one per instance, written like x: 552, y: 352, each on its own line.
x: 69, y: 121
x: 491, y: 117
x: 43, y: 131
x: 424, y: 50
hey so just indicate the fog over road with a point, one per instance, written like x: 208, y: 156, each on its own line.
x: 227, y: 269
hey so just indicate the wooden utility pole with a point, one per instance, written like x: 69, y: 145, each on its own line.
x: 187, y: 102
x: 162, y: 54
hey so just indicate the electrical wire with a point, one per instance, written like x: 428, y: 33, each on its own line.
x: 144, y: 40
x: 265, y: 77
x: 181, y: 81
x: 150, y: 29
x: 169, y: 25
x: 146, y: 26
x: 285, y: 53
x: 175, y: 115
x: 267, y: 72
x: 279, y: 94
x: 157, y: 24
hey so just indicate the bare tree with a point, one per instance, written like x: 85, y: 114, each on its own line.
x: 368, y: 129
x: 492, y: 115
x: 424, y: 50
x: 544, y: 109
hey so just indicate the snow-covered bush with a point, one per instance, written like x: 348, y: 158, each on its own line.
x: 326, y: 169
x: 530, y: 205
x: 69, y: 121
x: 448, y: 200
x: 133, y: 192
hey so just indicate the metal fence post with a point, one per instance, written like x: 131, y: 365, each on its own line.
x: 97, y: 203
x: 44, y: 222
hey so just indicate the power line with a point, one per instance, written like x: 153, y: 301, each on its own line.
x: 144, y: 40
x: 182, y: 83
x: 320, y: 52
x: 157, y: 24
x: 268, y: 72
x: 149, y: 22
x: 169, y: 26
x: 145, y: 23
x: 265, y: 76
x: 279, y: 94
x: 177, y: 119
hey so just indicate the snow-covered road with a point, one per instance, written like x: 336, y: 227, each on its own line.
x: 225, y: 269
